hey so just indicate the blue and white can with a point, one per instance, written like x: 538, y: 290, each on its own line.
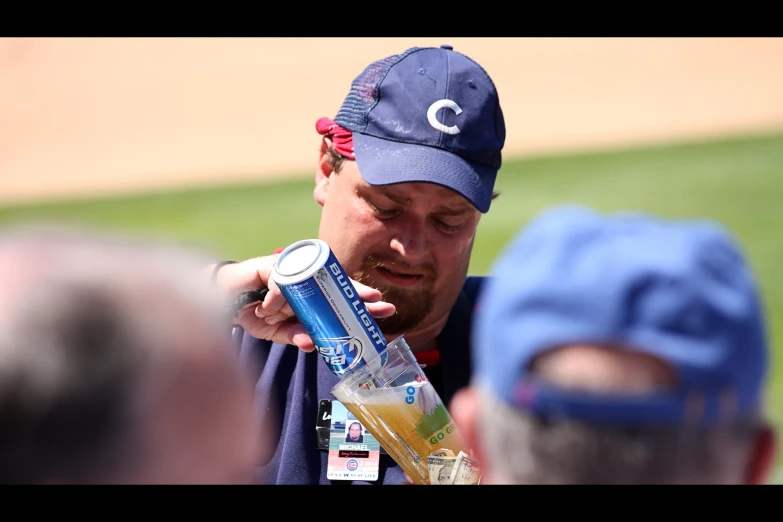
x: 327, y: 304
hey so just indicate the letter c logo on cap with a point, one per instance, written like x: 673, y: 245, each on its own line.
x: 433, y: 111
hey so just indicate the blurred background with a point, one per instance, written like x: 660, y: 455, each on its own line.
x: 102, y: 115
x: 213, y: 142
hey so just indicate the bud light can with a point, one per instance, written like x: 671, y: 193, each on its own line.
x: 327, y: 304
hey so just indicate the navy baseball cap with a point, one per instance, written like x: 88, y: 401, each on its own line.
x: 677, y: 290
x: 428, y: 114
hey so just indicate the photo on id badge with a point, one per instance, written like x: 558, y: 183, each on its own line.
x: 353, y: 452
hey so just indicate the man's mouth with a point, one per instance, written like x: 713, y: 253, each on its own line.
x: 399, y: 278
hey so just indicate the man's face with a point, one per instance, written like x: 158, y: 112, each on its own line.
x: 355, y: 431
x: 412, y: 241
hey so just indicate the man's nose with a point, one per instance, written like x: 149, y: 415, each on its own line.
x: 410, y: 240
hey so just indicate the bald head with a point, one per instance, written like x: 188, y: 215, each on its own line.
x: 114, y: 365
x: 604, y: 369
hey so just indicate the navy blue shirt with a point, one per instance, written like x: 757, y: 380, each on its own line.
x: 291, y: 384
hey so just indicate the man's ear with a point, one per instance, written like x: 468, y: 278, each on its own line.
x: 323, y: 174
x: 762, y: 456
x: 464, y: 410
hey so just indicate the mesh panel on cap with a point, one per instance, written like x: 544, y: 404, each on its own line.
x: 353, y: 114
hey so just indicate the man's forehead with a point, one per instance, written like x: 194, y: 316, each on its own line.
x: 416, y: 191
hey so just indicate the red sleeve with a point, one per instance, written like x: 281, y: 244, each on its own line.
x: 428, y: 357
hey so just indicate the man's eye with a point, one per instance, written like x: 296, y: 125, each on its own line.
x: 382, y: 211
x: 446, y: 226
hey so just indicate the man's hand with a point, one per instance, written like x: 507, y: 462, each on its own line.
x: 274, y: 320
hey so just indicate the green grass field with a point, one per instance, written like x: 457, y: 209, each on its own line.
x: 736, y: 181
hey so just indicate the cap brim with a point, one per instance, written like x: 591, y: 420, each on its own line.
x: 384, y: 162
x: 642, y: 409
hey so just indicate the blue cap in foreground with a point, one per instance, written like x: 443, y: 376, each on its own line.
x: 678, y: 290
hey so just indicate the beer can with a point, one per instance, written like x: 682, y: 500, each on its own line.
x: 328, y: 306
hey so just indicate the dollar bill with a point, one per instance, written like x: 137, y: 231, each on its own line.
x: 442, y: 452
x: 465, y: 470
x: 440, y: 468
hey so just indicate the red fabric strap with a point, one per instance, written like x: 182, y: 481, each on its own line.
x: 342, y: 138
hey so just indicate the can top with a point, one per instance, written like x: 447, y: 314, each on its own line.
x: 300, y: 261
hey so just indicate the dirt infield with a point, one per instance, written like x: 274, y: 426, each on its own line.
x: 89, y: 116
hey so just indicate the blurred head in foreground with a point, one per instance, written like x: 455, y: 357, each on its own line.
x: 98, y: 383
x: 619, y: 349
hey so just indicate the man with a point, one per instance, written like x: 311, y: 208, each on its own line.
x: 405, y: 171
x: 355, y: 433
x: 115, y: 367
x: 621, y: 349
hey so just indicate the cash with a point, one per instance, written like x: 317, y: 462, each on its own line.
x: 440, y: 468
x: 443, y: 452
x: 446, y: 468
x: 465, y: 470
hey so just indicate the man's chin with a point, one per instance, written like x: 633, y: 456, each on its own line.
x: 413, y: 305
x: 393, y: 327
x: 412, y: 309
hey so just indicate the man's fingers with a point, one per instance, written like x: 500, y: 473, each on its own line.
x: 381, y: 309
x: 293, y: 332
x: 276, y: 309
x: 367, y: 293
x: 290, y: 331
x: 275, y: 303
x: 409, y: 481
x: 250, y: 274
x: 372, y: 300
x: 274, y: 319
x: 255, y: 326
x: 297, y: 335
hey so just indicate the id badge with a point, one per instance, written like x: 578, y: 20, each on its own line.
x: 323, y: 425
x: 354, y: 454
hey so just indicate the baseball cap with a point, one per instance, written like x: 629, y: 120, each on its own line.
x: 679, y: 290
x: 429, y: 114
